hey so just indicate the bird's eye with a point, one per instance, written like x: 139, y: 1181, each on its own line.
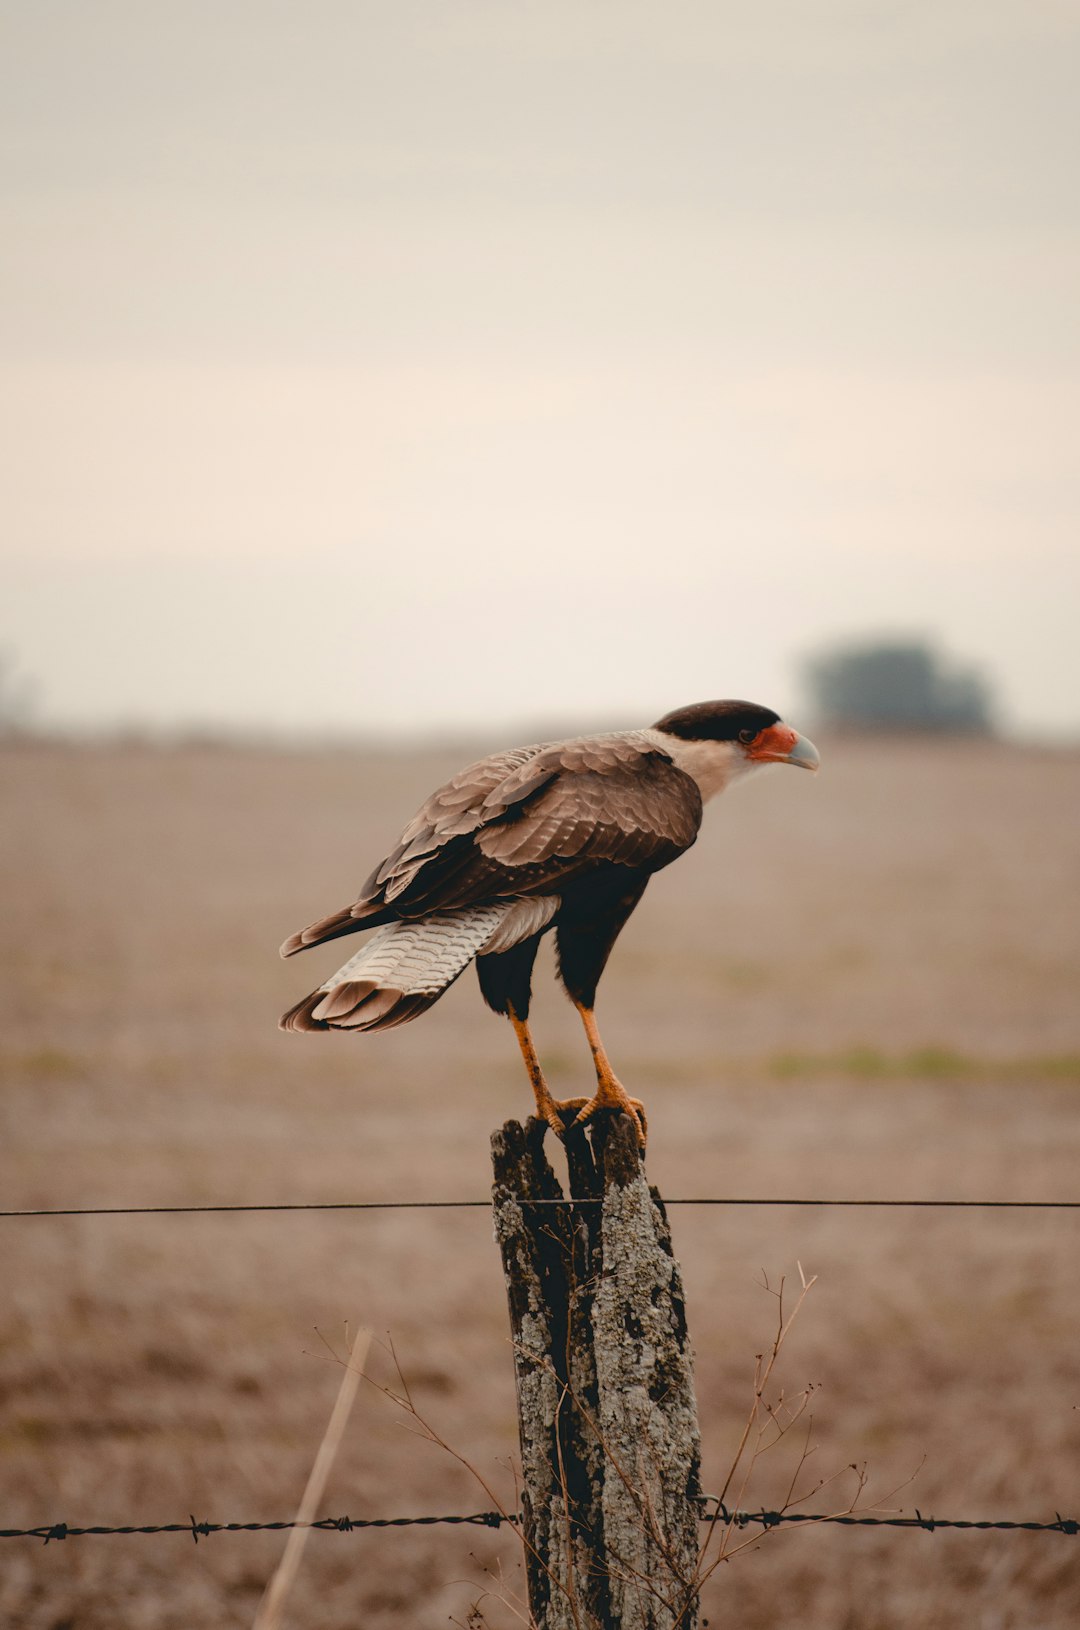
x: 747, y: 736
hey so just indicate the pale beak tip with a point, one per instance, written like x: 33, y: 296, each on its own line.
x: 804, y: 754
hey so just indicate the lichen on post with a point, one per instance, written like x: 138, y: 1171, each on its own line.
x: 608, y: 1421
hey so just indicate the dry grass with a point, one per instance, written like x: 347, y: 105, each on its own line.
x: 864, y: 984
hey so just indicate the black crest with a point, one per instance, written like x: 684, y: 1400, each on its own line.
x: 716, y: 721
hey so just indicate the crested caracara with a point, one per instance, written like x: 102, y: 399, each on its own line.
x: 563, y: 835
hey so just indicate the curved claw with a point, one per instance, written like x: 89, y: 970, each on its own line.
x: 552, y: 1114
x: 585, y: 1108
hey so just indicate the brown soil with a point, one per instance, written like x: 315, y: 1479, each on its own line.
x: 863, y: 985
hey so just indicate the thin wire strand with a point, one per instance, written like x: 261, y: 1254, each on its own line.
x: 496, y: 1519
x: 773, y: 1519
x: 200, y: 1530
x: 485, y: 1205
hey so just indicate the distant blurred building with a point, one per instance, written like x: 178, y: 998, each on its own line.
x: 898, y: 685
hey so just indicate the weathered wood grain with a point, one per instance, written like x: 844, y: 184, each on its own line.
x: 609, y: 1436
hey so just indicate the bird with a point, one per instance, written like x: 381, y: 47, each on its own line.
x: 559, y: 837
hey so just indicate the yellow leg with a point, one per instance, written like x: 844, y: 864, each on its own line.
x: 546, y: 1106
x: 610, y: 1092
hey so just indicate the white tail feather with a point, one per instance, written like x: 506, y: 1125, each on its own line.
x: 404, y: 967
x: 421, y: 958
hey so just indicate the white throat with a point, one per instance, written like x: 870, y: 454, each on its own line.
x: 714, y: 765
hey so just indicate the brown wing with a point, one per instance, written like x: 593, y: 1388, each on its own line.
x: 528, y: 822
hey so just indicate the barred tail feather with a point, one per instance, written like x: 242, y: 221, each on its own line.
x: 405, y: 966
x: 350, y: 920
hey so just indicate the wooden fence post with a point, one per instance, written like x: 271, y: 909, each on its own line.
x: 610, y: 1447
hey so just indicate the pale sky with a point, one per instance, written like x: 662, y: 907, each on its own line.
x: 458, y: 364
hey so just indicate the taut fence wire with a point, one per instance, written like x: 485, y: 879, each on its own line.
x: 485, y: 1205
x: 712, y: 1509
x: 496, y: 1519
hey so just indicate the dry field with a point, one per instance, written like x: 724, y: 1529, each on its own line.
x: 860, y: 985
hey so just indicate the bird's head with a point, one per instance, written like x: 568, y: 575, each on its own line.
x: 716, y: 742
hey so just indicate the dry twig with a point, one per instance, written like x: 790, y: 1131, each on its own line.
x: 270, y: 1609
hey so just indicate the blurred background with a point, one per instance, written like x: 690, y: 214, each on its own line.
x: 419, y: 366
x: 387, y: 384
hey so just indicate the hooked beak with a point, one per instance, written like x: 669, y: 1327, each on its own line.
x: 779, y: 744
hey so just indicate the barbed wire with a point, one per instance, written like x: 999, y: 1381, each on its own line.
x: 200, y: 1530
x: 485, y: 1205
x: 497, y: 1519
x: 773, y: 1519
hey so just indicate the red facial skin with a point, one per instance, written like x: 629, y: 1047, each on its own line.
x: 772, y: 745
